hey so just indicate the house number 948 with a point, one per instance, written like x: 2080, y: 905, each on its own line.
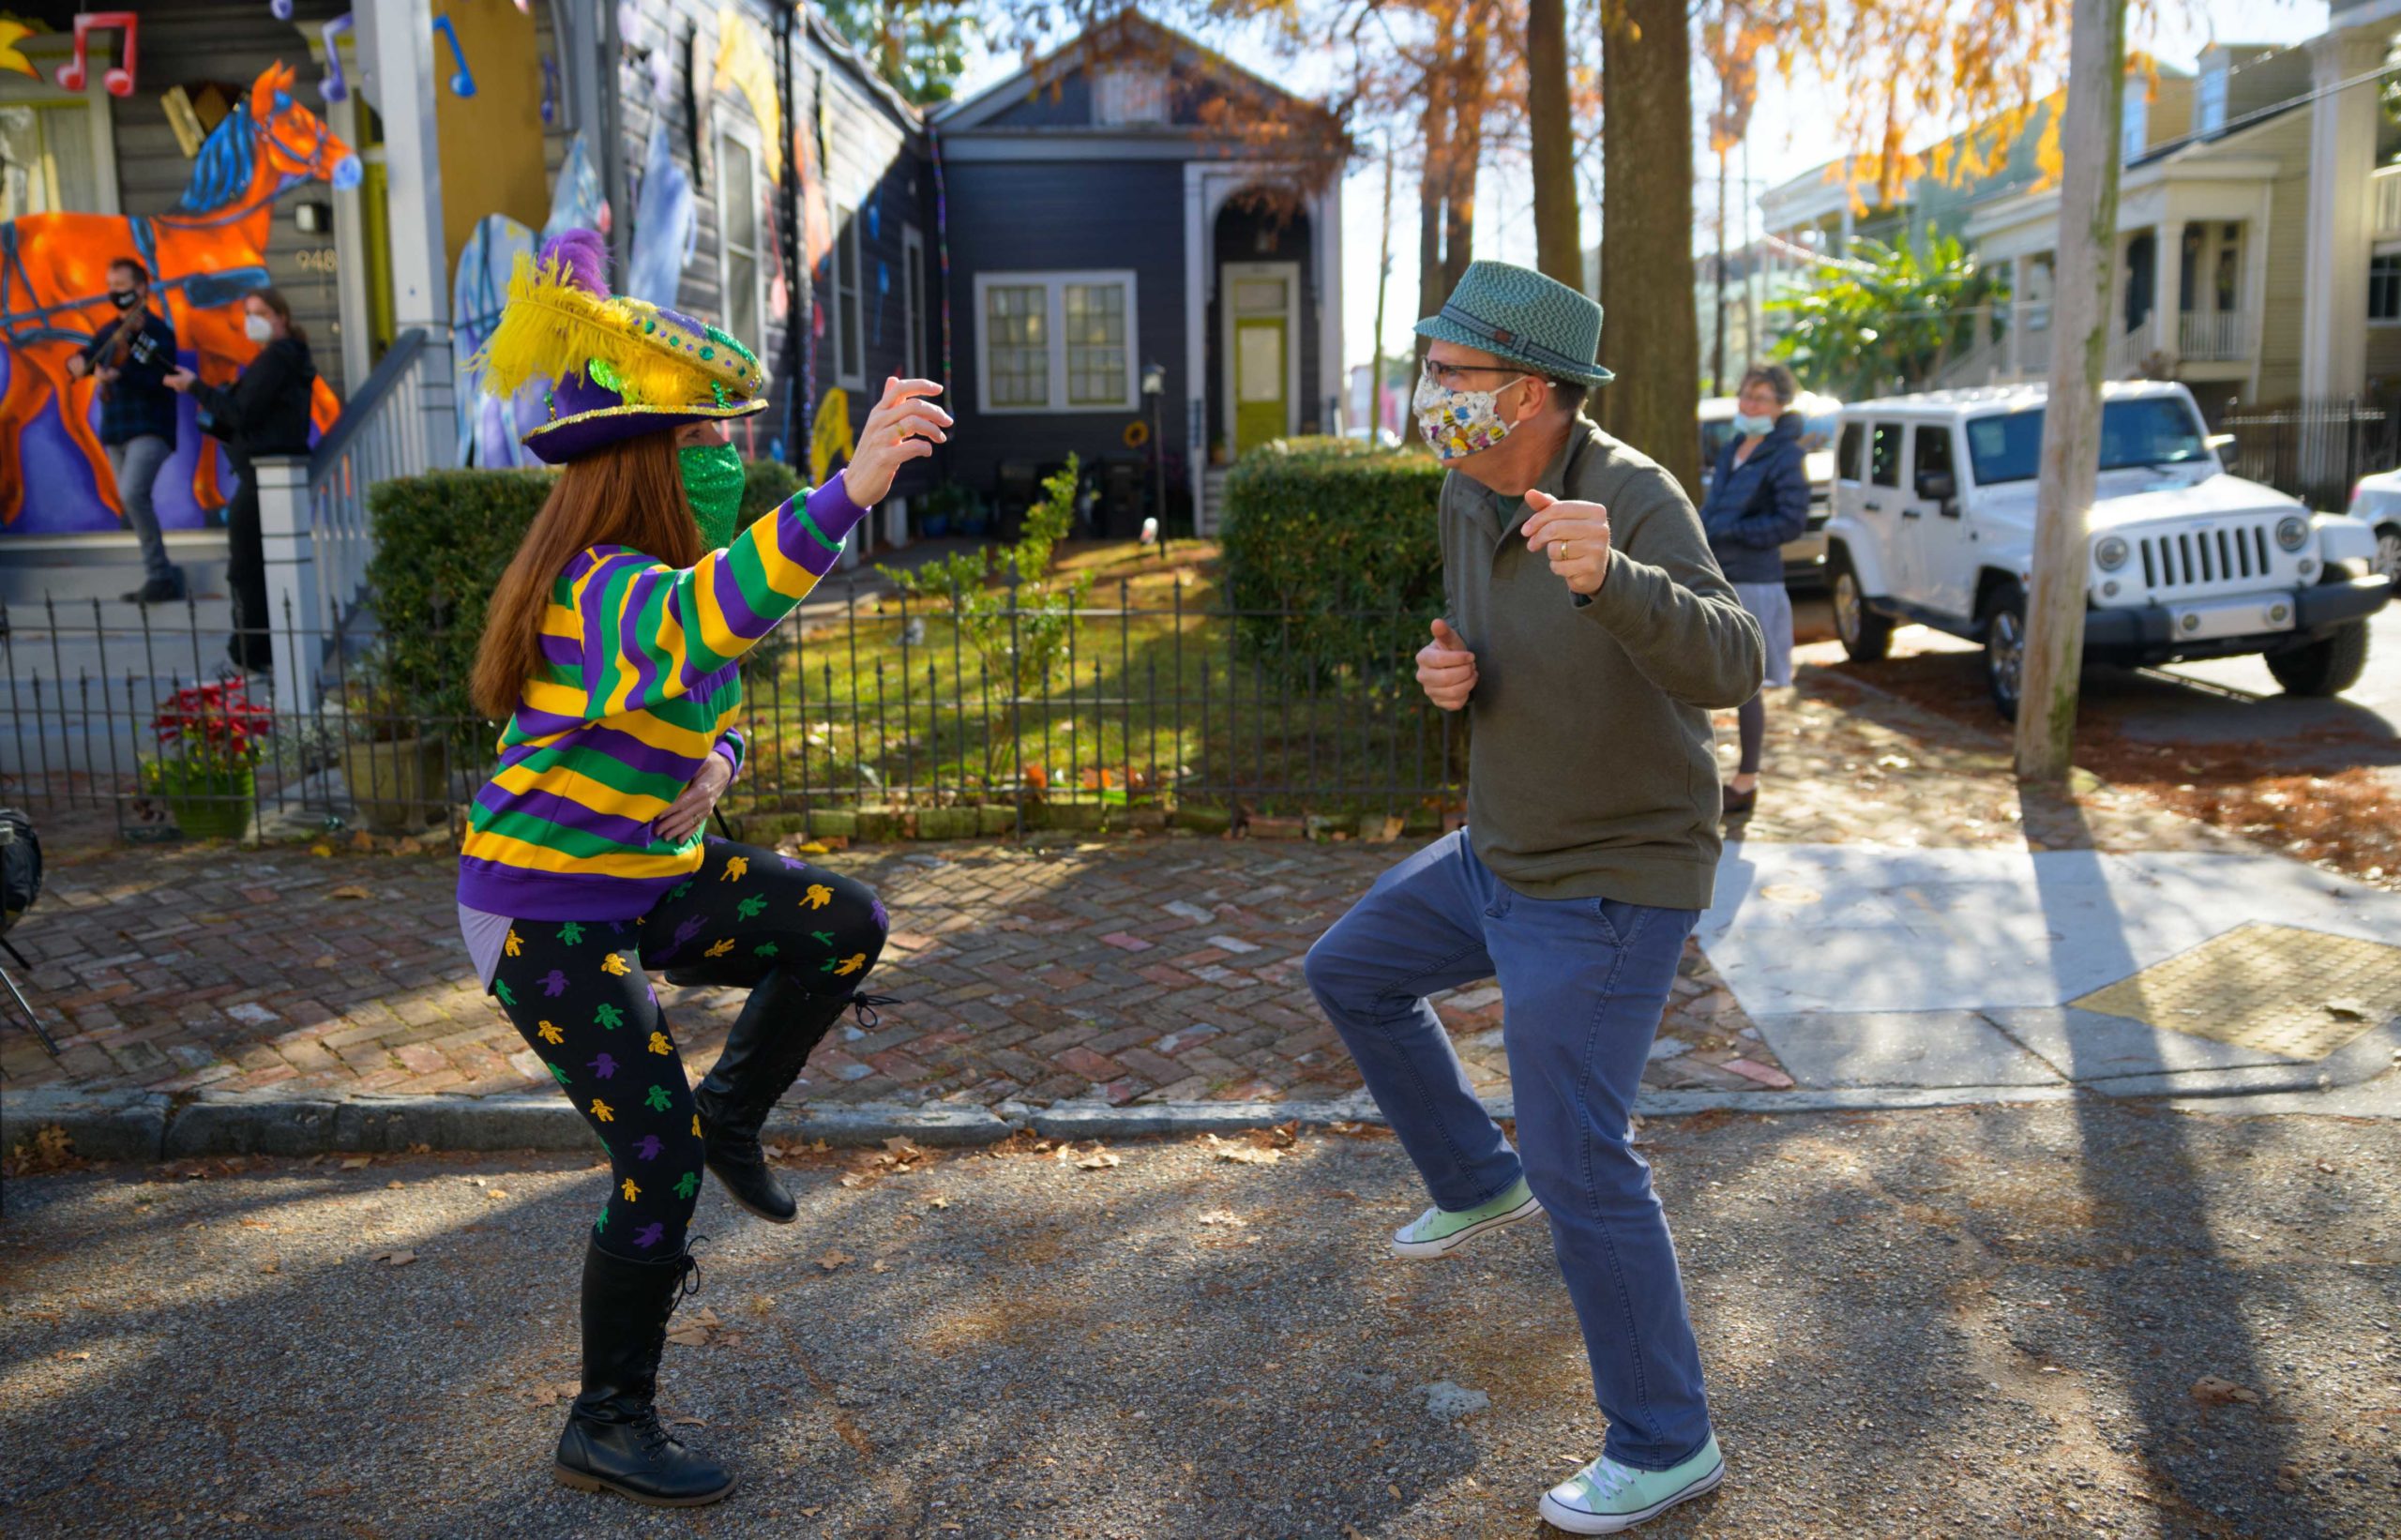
x: 318, y: 259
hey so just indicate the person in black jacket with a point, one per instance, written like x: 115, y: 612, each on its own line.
x: 1759, y: 499
x: 132, y: 359
x: 265, y: 412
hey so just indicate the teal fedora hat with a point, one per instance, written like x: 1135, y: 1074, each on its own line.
x: 1520, y: 315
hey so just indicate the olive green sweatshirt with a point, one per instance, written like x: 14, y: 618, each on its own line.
x: 1592, y: 770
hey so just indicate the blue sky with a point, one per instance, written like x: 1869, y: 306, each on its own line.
x: 1790, y: 135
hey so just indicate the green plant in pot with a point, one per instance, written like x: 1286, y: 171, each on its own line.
x: 209, y: 740
x: 397, y: 769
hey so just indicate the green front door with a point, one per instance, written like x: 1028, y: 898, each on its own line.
x: 1261, y: 404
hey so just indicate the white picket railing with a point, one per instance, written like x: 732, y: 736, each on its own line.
x: 2215, y: 336
x: 381, y: 436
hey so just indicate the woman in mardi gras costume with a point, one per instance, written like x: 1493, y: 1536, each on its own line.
x: 611, y: 649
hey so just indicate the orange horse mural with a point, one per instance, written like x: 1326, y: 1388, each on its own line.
x: 205, y: 257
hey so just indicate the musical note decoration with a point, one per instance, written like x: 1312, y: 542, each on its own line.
x: 463, y: 82
x: 282, y: 9
x: 550, y: 91
x: 118, y: 80
x: 334, y: 87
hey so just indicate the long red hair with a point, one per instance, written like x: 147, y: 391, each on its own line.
x: 630, y: 493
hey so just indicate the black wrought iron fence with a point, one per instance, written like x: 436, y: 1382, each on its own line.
x: 866, y: 714
x: 2316, y: 450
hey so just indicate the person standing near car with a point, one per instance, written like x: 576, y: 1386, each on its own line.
x: 1590, y: 637
x: 1758, y: 500
x: 265, y: 412
x: 131, y: 360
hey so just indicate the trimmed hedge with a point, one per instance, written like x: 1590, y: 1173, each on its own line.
x: 1341, y: 538
x: 442, y: 541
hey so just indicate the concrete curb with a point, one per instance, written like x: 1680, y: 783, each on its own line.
x: 143, y: 1125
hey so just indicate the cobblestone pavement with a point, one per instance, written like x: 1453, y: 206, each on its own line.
x: 2029, y: 1323
x: 1131, y: 969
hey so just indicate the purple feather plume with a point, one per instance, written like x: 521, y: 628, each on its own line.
x: 583, y: 256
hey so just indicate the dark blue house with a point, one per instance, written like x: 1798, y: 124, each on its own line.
x: 1134, y: 204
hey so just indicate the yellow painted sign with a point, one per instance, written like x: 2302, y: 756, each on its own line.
x: 742, y: 63
x: 830, y: 437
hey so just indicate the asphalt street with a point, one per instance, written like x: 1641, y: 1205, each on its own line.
x: 2068, y: 1320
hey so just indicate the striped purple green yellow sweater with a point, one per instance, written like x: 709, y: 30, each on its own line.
x: 640, y: 685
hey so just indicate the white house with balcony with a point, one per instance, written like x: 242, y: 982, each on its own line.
x: 2258, y: 238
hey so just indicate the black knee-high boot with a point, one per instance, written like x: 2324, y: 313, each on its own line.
x: 613, y: 1440
x: 780, y: 1025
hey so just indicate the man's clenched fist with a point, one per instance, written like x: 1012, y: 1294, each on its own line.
x: 1447, y: 668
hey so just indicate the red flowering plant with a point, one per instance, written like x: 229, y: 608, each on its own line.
x: 214, y: 729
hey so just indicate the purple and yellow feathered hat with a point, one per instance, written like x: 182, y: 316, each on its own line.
x: 614, y: 368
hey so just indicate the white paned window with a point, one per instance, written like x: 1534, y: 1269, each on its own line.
x: 2208, y: 103
x: 2133, y: 124
x: 2384, y: 287
x: 47, y: 164
x: 851, y: 354
x: 1056, y: 341
x: 738, y: 195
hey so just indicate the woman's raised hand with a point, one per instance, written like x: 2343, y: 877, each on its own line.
x: 904, y: 426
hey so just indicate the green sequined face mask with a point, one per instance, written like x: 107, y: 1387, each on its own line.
x: 713, y: 482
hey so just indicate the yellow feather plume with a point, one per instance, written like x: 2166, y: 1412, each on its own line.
x: 552, y: 329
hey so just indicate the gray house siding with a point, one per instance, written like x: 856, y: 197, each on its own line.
x: 1027, y: 217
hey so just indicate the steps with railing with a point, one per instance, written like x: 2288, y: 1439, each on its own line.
x: 381, y: 436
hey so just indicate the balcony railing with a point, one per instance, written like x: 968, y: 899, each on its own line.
x: 2387, y: 185
x: 2215, y: 337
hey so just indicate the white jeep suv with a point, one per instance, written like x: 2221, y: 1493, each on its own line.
x: 1934, y: 524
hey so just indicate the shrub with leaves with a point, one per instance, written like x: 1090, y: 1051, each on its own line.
x: 1339, y: 540
x: 1004, y: 599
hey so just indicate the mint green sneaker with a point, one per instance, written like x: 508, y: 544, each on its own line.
x: 1606, y: 1497
x: 1437, y: 1231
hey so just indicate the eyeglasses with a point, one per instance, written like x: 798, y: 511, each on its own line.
x: 1446, y: 375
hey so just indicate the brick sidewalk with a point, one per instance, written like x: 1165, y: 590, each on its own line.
x: 1158, y: 969
x: 1155, y: 968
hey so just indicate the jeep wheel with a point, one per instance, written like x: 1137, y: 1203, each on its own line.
x: 2323, y: 668
x: 2388, y: 552
x: 1867, y: 636
x: 2004, y: 621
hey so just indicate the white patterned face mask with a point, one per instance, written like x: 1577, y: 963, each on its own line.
x: 1459, y: 423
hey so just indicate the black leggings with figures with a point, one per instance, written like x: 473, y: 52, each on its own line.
x: 580, y: 993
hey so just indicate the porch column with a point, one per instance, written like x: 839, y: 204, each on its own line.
x: 1196, y: 247
x: 292, y: 619
x: 1327, y: 216
x: 2020, y: 301
x: 401, y: 42
x: 2342, y: 158
x: 2166, y: 287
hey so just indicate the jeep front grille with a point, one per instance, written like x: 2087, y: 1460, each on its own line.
x: 2210, y: 558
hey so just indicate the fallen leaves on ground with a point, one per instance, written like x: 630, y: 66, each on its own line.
x: 1259, y: 1147
x: 350, y: 890
x: 357, y: 1163
x: 1097, y: 1159
x: 551, y: 1394
x: 833, y: 1260
x: 693, y: 1330
x: 2212, y: 1391
x: 394, y: 1258
x: 48, y: 1149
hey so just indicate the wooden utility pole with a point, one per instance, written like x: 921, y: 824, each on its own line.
x: 1717, y: 363
x: 1559, y: 245
x: 2071, y: 459
x: 1383, y: 282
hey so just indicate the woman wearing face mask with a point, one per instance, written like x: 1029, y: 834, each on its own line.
x: 611, y: 648
x: 265, y: 412
x: 1759, y: 500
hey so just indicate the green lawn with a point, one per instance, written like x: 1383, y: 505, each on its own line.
x: 1156, y: 696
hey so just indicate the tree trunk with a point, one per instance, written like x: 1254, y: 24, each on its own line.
x: 1650, y: 334
x: 1558, y: 242
x: 2070, y: 456
x: 1383, y: 285
x: 1466, y: 153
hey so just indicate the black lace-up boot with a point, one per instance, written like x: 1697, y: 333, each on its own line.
x: 764, y: 1052
x: 613, y: 1440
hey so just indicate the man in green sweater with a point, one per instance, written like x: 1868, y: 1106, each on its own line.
x: 1589, y: 636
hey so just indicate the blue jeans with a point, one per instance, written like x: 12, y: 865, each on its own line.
x: 136, y: 463
x: 1584, y: 981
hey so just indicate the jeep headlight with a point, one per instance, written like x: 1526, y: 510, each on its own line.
x: 2292, y: 531
x: 2110, y: 551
